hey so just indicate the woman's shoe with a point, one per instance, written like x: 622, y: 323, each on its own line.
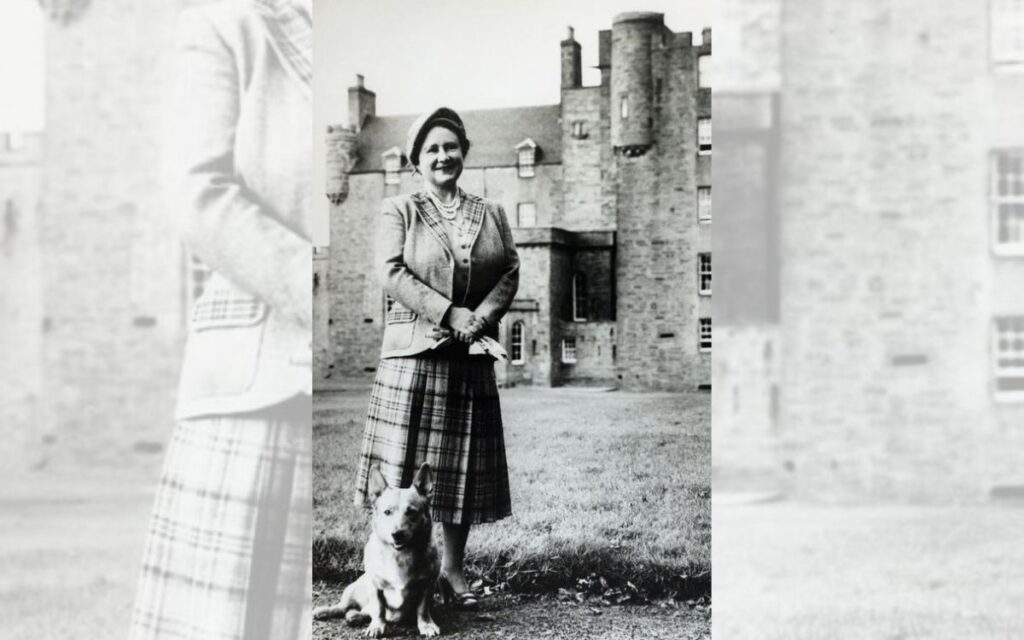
x: 464, y: 600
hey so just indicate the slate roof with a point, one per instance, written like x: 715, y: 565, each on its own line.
x: 493, y: 136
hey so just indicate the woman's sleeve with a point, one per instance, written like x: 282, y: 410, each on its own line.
x: 222, y: 221
x: 498, y: 301
x: 396, y: 278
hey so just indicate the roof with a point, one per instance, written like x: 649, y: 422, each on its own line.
x: 493, y: 135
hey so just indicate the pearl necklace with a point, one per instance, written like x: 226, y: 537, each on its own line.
x: 448, y: 211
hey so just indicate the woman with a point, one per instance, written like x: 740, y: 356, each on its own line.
x: 228, y: 549
x: 448, y: 260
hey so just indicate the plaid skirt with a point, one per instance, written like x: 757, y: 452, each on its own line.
x: 444, y: 411
x: 228, y: 554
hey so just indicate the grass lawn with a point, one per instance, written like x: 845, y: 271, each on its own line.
x: 609, y: 485
x: 800, y: 572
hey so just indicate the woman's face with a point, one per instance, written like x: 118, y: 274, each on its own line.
x: 440, y: 161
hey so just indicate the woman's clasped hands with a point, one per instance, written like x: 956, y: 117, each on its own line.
x: 467, y: 325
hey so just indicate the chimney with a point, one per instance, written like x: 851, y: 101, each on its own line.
x: 362, y: 105
x: 572, y: 71
x: 604, y: 55
x: 705, y: 36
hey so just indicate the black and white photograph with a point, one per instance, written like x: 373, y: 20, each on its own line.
x: 512, y: 320
x: 327, y: 319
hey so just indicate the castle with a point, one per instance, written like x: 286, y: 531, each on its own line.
x: 885, y: 201
x: 609, y: 194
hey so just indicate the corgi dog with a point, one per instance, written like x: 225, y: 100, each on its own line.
x: 400, y: 561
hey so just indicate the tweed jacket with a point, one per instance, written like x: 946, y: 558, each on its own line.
x: 238, y: 175
x: 417, y: 269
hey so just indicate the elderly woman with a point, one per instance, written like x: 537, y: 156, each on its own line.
x: 448, y: 260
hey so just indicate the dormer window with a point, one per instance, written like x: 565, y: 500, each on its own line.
x: 392, y: 165
x: 526, y: 152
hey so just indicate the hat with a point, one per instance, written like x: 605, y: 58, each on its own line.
x: 442, y: 117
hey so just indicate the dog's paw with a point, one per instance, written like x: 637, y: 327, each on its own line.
x: 429, y: 629
x: 377, y: 629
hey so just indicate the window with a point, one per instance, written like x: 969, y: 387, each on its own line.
x: 1008, y: 201
x: 1007, y: 33
x: 569, y: 350
x: 392, y: 166
x: 579, y: 296
x: 704, y: 273
x: 704, y: 136
x: 388, y: 303
x: 199, y: 275
x: 704, y: 71
x: 526, y: 155
x: 516, y: 343
x: 578, y: 130
x: 704, y: 204
x: 704, y: 338
x: 624, y: 107
x: 1008, y: 357
x: 526, y: 213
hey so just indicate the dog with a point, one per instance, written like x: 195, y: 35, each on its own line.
x: 400, y: 561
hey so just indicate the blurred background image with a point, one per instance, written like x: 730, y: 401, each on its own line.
x: 867, y: 381
x: 96, y: 291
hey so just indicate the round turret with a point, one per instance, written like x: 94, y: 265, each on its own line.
x: 341, y: 156
x: 633, y: 35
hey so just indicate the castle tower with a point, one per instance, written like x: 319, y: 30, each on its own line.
x: 21, y: 393
x: 341, y: 155
x: 890, y: 283
x: 634, y: 35
x: 663, y: 301
x: 113, y: 268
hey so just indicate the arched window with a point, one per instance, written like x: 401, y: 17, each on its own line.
x: 579, y: 296
x: 516, y: 343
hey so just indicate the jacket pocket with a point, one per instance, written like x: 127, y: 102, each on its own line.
x: 223, y: 353
x: 227, y: 309
x: 399, y: 328
x: 399, y: 314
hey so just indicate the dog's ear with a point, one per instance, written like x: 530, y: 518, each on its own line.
x: 377, y: 482
x: 424, y: 480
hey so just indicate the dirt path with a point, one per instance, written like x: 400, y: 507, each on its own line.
x: 528, y: 617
